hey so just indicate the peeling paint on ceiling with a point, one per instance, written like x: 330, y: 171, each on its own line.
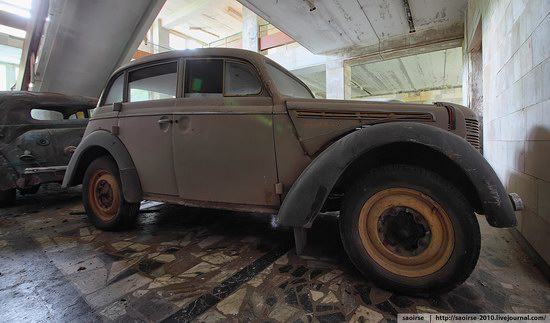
x: 344, y: 24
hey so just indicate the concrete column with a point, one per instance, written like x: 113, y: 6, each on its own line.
x: 11, y: 76
x: 161, y: 37
x: 251, y: 40
x: 338, y: 80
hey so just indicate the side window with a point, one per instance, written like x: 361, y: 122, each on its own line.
x: 203, y: 77
x: 115, y: 91
x: 153, y: 83
x: 241, y: 79
x: 57, y: 114
x: 46, y: 115
x: 287, y: 85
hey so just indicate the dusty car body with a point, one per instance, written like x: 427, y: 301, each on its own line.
x: 38, y: 134
x: 231, y: 129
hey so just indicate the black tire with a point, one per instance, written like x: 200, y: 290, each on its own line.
x: 103, y: 197
x: 460, y: 243
x: 7, y: 198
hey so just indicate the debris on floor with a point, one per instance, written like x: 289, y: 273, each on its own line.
x: 211, y: 266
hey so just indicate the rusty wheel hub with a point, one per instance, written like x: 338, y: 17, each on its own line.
x: 104, y: 195
x: 406, y: 232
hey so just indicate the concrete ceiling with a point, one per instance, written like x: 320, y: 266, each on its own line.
x: 204, y: 20
x: 422, y: 72
x: 337, y: 25
x: 85, y: 41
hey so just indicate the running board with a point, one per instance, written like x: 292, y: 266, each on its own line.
x: 39, y: 170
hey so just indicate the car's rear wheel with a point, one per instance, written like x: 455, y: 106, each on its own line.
x: 410, y: 230
x: 103, y: 197
x: 7, y: 197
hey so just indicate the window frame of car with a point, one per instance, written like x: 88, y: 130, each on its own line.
x: 263, y: 90
x: 126, y: 93
x: 58, y: 108
x: 181, y: 70
x: 283, y: 70
x: 109, y: 86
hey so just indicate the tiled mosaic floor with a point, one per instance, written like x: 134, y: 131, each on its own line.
x: 183, y: 264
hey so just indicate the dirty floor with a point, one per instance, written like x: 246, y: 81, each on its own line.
x: 186, y: 264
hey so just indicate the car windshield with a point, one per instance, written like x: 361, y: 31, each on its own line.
x: 286, y: 84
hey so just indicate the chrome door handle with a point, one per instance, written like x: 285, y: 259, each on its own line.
x: 162, y: 121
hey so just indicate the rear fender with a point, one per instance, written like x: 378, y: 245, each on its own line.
x: 84, y: 154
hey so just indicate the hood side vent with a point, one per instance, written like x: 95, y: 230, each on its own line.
x: 368, y: 116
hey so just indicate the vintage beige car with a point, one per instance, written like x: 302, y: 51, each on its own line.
x: 231, y: 129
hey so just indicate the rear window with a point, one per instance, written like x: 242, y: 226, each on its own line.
x: 241, y: 80
x: 286, y: 84
x: 45, y: 114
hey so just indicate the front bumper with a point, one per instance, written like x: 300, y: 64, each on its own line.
x: 517, y: 202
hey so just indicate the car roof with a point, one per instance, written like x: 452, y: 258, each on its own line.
x: 14, y: 100
x: 199, y: 52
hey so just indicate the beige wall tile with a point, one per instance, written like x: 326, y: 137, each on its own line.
x: 537, y: 158
x: 516, y: 93
x: 543, y: 191
x: 536, y: 231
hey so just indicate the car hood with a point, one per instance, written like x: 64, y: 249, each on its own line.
x: 320, y: 122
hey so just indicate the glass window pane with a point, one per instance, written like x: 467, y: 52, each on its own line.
x: 203, y: 77
x: 115, y: 91
x: 153, y: 83
x: 44, y: 114
x: 287, y: 85
x: 241, y: 79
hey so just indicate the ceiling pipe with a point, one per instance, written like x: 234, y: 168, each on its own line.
x: 409, y: 16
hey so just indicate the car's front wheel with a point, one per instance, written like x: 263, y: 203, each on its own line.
x: 410, y: 230
x: 7, y: 197
x: 103, y: 198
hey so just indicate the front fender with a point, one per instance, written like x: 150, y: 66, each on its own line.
x: 83, y: 155
x: 308, y: 194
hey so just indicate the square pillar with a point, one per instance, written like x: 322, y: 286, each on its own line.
x: 338, y: 80
x: 160, y: 37
x: 251, y: 30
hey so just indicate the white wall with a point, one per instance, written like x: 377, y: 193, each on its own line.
x: 516, y: 103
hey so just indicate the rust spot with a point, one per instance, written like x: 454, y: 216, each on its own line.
x: 453, y: 156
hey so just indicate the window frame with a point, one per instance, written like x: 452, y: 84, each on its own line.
x: 57, y: 108
x: 126, y: 95
x: 289, y: 74
x: 110, y: 85
x: 257, y: 77
x: 184, y: 75
x: 261, y: 93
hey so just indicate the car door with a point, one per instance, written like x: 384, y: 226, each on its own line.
x: 145, y: 125
x: 223, y: 135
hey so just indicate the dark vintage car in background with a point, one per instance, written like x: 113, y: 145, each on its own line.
x: 38, y: 134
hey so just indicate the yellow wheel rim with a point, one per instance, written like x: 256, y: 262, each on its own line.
x: 104, y: 195
x: 406, y: 232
